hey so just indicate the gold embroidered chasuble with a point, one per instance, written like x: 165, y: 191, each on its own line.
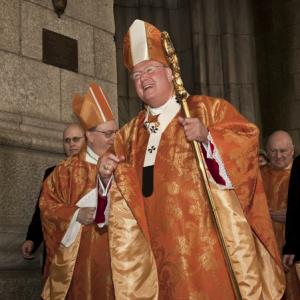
x: 165, y: 246
x: 276, y: 184
x: 81, y: 271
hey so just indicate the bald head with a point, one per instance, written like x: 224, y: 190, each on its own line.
x: 73, y: 138
x: 280, y: 149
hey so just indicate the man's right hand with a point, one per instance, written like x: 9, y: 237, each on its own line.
x: 107, y: 165
x: 26, y: 249
x: 86, y: 215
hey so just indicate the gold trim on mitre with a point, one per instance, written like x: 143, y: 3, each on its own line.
x: 142, y: 42
x: 93, y: 108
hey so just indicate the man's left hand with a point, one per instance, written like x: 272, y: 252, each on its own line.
x: 194, y: 129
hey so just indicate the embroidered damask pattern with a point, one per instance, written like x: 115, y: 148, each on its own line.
x: 168, y: 276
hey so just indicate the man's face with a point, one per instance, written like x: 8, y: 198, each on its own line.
x: 102, y: 137
x: 153, y: 82
x: 280, y: 151
x: 73, y: 139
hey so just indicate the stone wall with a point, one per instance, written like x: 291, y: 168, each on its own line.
x: 35, y: 106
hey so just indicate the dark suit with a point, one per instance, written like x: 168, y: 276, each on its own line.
x: 292, y: 236
x: 34, y: 232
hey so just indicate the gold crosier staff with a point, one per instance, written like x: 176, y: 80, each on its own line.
x: 182, y: 95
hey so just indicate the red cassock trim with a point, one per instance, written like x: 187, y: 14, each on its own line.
x: 213, y: 166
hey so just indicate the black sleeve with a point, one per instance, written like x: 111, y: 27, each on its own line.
x: 293, y: 209
x: 34, y: 232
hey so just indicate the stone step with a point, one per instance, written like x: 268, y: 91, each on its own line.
x: 11, y: 238
x: 20, y: 285
x: 20, y: 279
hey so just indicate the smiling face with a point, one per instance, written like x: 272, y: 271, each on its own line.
x: 153, y: 82
x: 280, y: 149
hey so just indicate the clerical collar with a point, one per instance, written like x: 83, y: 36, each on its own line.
x: 91, y: 156
x: 155, y: 111
x: 158, y: 110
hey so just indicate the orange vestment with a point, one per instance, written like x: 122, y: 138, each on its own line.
x: 165, y: 246
x: 276, y: 185
x: 81, y: 271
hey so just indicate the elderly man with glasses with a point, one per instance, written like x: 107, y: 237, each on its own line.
x: 74, y: 214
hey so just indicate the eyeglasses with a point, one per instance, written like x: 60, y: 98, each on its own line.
x: 74, y: 139
x: 148, y: 71
x: 108, y: 134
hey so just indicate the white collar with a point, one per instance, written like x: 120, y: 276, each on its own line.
x: 91, y: 156
x: 158, y: 110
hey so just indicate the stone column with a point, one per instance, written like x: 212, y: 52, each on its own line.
x: 277, y: 25
x: 225, y: 53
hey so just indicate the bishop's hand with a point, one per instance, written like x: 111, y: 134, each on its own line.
x: 107, y: 165
x: 194, y: 129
